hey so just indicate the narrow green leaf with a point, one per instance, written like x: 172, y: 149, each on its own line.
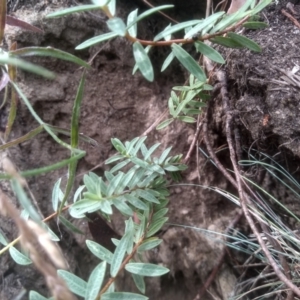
x: 117, y: 26
x: 55, y: 194
x: 138, y: 145
x: 52, y: 235
x: 51, y: 52
x: 99, y: 251
x: 69, y: 225
x: 145, y: 269
x: 106, y: 207
x: 205, y: 24
x: 85, y: 206
x: 156, y: 226
x: 19, y: 257
x: 144, y: 150
x: 175, y: 28
x: 131, y: 19
x: 226, y: 42
x: 157, y: 170
x: 159, y: 214
x: 148, y: 13
x: 118, y: 145
x: 130, y: 230
x: 95, y: 281
x: 255, y: 25
x: 139, y: 282
x: 139, y: 162
x: 113, y: 159
x: 75, y: 284
x: 101, y: 3
x: 109, y: 176
x: 113, y: 184
x: 36, y: 296
x: 24, y: 201
x: 187, y: 119
x: 169, y: 36
x: 151, y: 150
x: 96, y: 40
x: 78, y: 193
x: 135, y: 68
x: 261, y: 5
x: 26, y: 66
x: 209, y: 52
x: 244, y: 41
x: 119, y: 254
x: 149, y: 244
x: 76, y: 113
x: 71, y: 10
x: 171, y: 103
x: 130, y: 145
x: 167, y: 61
x: 188, y: 62
x: 122, y: 207
x: 136, y: 178
x: 126, y: 179
x: 122, y: 296
x: 147, y: 195
x: 140, y: 228
x: 136, y: 202
x: 143, y: 61
x: 90, y: 184
x: 3, y: 240
x: 233, y: 18
x: 74, y: 140
x: 164, y: 155
x: 112, y: 7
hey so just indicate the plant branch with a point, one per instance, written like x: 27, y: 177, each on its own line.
x: 187, y: 41
x: 124, y: 263
x: 16, y: 240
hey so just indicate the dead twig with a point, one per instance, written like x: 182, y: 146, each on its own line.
x: 160, y: 12
x: 196, y: 135
x: 44, y: 253
x: 284, y: 12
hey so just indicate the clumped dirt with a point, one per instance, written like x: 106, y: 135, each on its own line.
x: 117, y: 104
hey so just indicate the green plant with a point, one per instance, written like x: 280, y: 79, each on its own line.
x: 198, y: 32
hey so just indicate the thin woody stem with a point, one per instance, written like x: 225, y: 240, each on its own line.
x: 124, y: 263
x: 186, y: 41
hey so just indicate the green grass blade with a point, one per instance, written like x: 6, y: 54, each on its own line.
x: 24, y: 65
x: 96, y: 40
x: 74, y: 139
x: 72, y: 10
x: 51, y: 52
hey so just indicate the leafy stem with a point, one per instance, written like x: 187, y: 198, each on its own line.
x: 187, y: 41
x: 124, y: 263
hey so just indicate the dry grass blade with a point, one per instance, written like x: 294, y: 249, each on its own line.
x: 22, y: 24
x: 2, y: 18
x: 43, y: 252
